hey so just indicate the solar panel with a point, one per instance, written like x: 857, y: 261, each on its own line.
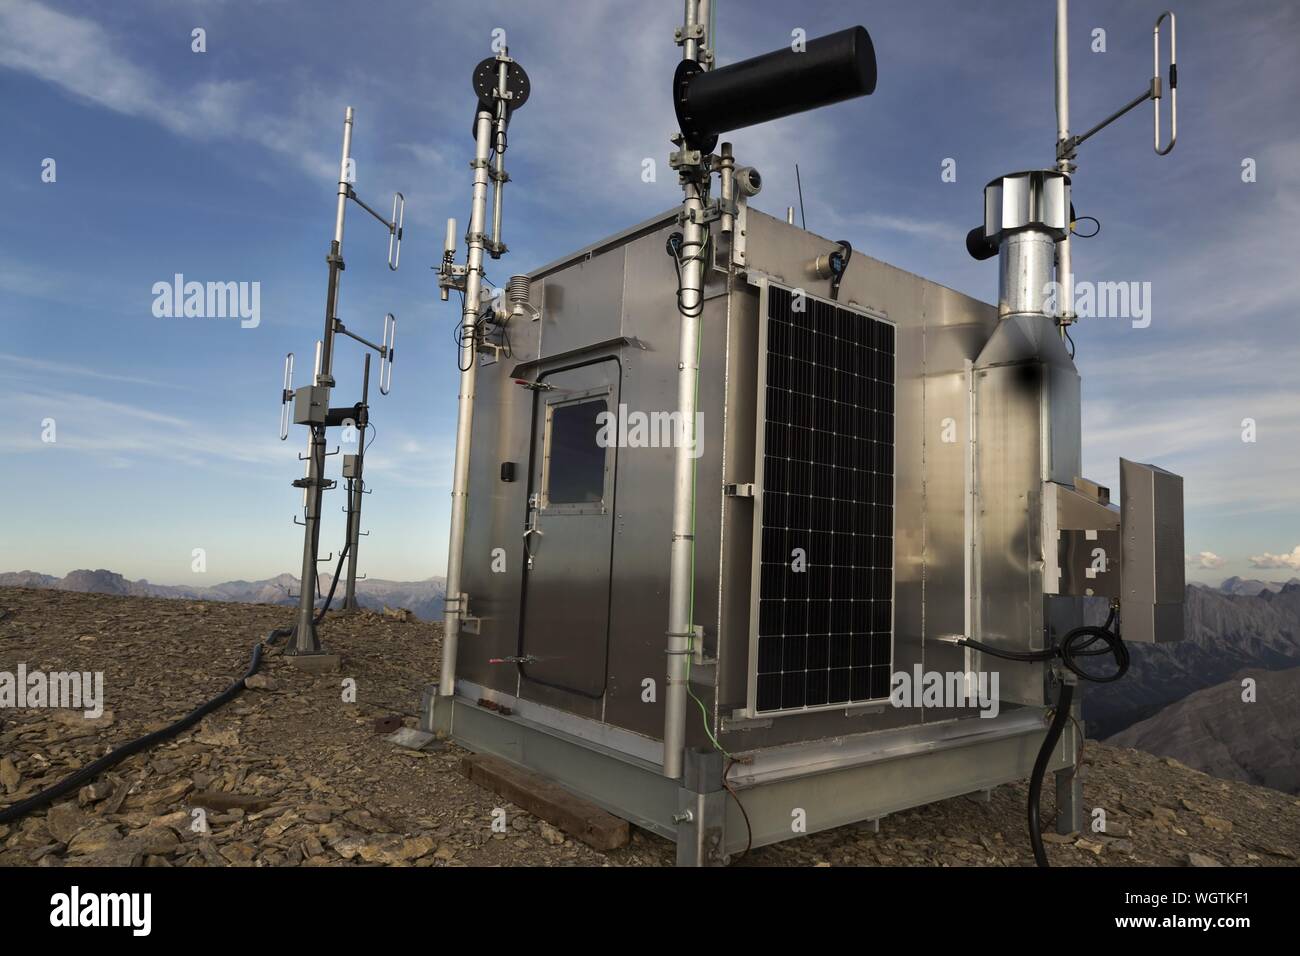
x: 825, y: 577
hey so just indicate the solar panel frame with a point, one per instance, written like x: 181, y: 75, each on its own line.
x: 775, y: 401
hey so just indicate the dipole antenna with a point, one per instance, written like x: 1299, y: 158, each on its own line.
x: 1067, y: 145
x: 311, y: 402
x: 501, y: 87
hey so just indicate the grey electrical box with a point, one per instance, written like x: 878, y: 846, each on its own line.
x: 350, y: 469
x: 1151, y: 524
x: 311, y: 404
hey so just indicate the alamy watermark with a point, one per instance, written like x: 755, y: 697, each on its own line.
x: 63, y: 690
x: 1103, y: 300
x: 635, y: 429
x: 208, y: 300
x: 74, y: 908
x: 946, y: 689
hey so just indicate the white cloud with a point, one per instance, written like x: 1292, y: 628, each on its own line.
x: 51, y: 371
x: 1206, y: 560
x: 82, y: 58
x: 1267, y: 560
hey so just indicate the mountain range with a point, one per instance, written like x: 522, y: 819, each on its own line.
x: 1230, y: 733
x: 424, y: 598
x: 1252, y: 586
x: 1224, y: 633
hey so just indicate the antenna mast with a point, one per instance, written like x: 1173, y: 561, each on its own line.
x: 1067, y: 145
x: 501, y: 86
x: 311, y: 403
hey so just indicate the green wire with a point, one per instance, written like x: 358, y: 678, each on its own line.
x: 695, y: 470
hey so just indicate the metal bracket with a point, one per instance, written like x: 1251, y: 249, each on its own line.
x: 738, y: 236
x: 739, y: 490
x: 693, y: 32
x: 468, y: 623
x: 710, y: 213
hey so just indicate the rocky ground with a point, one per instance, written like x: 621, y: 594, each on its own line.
x: 293, y: 774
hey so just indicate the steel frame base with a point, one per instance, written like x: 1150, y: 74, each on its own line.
x: 787, y: 791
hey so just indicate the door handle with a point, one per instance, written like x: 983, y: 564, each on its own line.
x: 532, y: 529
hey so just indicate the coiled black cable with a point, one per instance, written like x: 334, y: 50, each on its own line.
x: 694, y: 252
x: 1076, y: 643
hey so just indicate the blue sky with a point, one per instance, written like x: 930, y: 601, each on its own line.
x: 221, y: 166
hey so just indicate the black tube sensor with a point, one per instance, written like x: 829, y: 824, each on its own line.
x: 830, y: 69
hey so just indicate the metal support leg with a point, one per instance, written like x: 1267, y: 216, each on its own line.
x: 702, y: 811
x: 1069, y: 786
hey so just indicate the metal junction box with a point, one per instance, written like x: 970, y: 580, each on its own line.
x: 1151, y: 502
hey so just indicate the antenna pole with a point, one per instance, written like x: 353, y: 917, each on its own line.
x: 304, y: 636
x: 1064, y: 261
x: 311, y: 404
x: 694, y: 178
x: 504, y: 88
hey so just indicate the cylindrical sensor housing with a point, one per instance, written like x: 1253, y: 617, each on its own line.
x: 828, y: 70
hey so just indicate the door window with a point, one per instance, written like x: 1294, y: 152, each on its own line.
x: 575, y: 460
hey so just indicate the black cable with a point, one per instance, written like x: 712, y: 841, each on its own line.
x: 335, y: 583
x: 92, y: 770
x: 676, y: 246
x: 1077, y: 643
x: 749, y: 830
x: 1068, y: 652
x: 1085, y: 235
x: 1066, y: 330
x: 1062, y: 714
x: 839, y: 265
x: 462, y: 336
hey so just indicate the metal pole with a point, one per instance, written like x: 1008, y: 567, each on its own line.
x: 690, y: 47
x: 357, y: 491
x: 1064, y: 263
x: 305, y: 641
x: 483, y: 129
x: 326, y: 374
x: 681, y: 568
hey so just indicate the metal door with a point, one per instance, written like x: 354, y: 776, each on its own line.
x: 569, y: 538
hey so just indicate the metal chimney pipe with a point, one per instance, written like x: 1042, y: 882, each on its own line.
x: 1025, y: 216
